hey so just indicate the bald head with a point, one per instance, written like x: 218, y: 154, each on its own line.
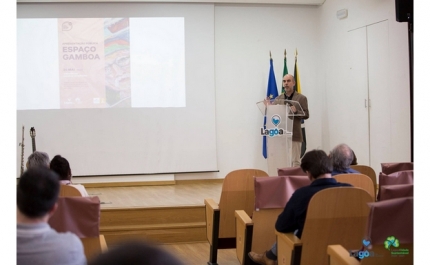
x: 342, y: 157
x: 288, y: 84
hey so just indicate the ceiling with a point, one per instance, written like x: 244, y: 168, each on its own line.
x: 278, y: 2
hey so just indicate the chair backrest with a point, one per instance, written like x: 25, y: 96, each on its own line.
x: 368, y: 171
x: 69, y: 191
x: 389, y: 192
x: 334, y: 216
x: 388, y: 168
x: 358, y: 181
x: 237, y: 194
x: 399, y: 227
x: 291, y: 171
x: 81, y: 216
x: 396, y: 178
x: 271, y: 196
x: 274, y: 192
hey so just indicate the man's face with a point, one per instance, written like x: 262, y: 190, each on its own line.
x: 288, y: 84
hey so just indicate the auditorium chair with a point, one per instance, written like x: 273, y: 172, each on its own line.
x: 81, y: 216
x: 69, y: 191
x: 237, y: 194
x: 291, y: 171
x: 271, y: 195
x: 396, y: 178
x: 389, y: 192
x: 334, y: 216
x: 368, y: 171
x: 388, y: 168
x: 358, y: 181
x: 389, y: 222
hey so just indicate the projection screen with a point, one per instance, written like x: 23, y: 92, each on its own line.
x: 118, y: 89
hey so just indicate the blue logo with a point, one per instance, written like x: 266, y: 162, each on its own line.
x: 276, y: 119
x: 366, y: 242
x: 364, y: 252
x: 274, y: 131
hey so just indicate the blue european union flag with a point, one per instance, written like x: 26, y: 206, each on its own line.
x: 272, y: 93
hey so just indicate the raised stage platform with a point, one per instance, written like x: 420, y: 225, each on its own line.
x: 172, y: 213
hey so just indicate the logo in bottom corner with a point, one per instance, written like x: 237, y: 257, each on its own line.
x: 392, y: 244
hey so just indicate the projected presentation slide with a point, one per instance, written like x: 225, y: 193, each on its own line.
x: 72, y: 63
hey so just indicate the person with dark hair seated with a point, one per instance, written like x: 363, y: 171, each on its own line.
x: 318, y: 166
x: 136, y: 253
x: 61, y: 166
x: 37, y: 242
x: 342, y: 157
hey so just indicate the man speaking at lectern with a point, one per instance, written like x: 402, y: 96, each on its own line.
x: 288, y: 84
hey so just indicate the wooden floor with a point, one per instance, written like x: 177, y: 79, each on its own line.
x: 183, y: 193
x: 198, y: 254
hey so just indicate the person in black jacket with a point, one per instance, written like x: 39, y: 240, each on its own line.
x: 318, y: 166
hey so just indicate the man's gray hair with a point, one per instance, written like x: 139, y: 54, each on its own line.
x: 38, y: 159
x: 342, y: 157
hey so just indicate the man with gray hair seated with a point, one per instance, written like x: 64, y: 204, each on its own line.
x: 342, y: 157
x: 38, y: 159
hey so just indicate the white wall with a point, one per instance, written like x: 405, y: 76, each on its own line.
x: 244, y: 35
x: 241, y: 69
x: 334, y: 74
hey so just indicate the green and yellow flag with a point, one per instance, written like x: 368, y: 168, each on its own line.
x: 297, y: 87
x: 285, y: 70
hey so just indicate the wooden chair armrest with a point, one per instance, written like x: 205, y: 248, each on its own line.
x: 103, y: 244
x: 211, y: 204
x: 212, y: 222
x: 289, y: 248
x: 244, y: 230
x: 290, y: 239
x: 338, y: 255
x: 242, y: 217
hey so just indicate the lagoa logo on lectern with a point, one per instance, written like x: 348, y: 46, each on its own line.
x: 276, y: 120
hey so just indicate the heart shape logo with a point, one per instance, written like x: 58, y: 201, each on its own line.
x: 276, y: 119
x: 366, y: 242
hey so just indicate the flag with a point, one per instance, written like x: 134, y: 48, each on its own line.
x: 298, y: 88
x: 285, y: 70
x: 272, y: 93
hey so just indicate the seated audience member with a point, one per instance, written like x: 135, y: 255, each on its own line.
x: 317, y: 165
x: 136, y: 253
x: 342, y: 157
x: 38, y: 159
x: 37, y: 242
x: 61, y: 166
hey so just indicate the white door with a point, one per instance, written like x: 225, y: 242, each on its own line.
x: 370, y: 96
x: 379, y: 95
x: 358, y: 125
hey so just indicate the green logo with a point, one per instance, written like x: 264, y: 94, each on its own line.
x: 391, y: 242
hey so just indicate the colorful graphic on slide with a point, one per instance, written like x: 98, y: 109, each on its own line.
x: 94, y: 62
x: 81, y: 63
x: 117, y: 62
